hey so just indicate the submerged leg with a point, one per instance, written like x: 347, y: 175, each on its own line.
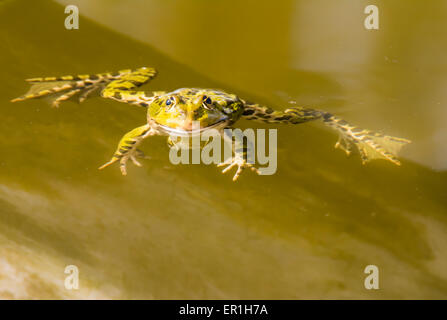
x: 243, y: 153
x: 371, y: 145
x: 64, y: 97
x: 122, y: 89
x: 66, y: 87
x: 127, y: 147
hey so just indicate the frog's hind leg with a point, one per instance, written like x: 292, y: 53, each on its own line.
x: 123, y: 89
x: 289, y: 116
x: 80, y: 86
x: 127, y: 148
x: 56, y: 90
x: 64, y: 97
x: 62, y: 90
x: 371, y: 145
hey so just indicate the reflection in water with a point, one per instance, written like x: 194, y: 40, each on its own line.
x: 168, y: 231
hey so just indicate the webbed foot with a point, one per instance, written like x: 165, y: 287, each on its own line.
x: 372, y: 145
x: 127, y: 148
x: 241, y: 165
x: 123, y: 159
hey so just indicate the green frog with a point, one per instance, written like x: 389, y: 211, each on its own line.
x: 173, y: 114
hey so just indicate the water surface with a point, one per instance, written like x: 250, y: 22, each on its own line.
x: 171, y: 232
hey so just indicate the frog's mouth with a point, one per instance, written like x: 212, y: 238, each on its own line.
x: 193, y: 131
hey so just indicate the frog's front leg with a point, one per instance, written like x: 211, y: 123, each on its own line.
x: 243, y: 153
x: 127, y: 147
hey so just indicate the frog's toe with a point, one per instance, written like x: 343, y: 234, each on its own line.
x: 254, y: 169
x: 242, y: 168
x: 135, y: 161
x: 373, y: 145
x: 105, y: 165
x: 344, y: 144
x: 238, y: 173
x: 241, y: 164
x: 123, y: 164
x: 370, y: 149
x: 140, y: 154
x: 124, y: 159
x: 229, y: 165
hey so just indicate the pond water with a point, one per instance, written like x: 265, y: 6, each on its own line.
x: 186, y: 231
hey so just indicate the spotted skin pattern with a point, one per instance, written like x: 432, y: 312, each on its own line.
x: 371, y: 145
x: 174, y: 113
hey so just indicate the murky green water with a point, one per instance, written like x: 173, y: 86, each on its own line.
x: 168, y: 231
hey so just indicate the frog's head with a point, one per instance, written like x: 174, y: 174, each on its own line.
x: 180, y: 111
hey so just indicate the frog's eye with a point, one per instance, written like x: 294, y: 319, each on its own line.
x: 207, y: 102
x: 170, y: 102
